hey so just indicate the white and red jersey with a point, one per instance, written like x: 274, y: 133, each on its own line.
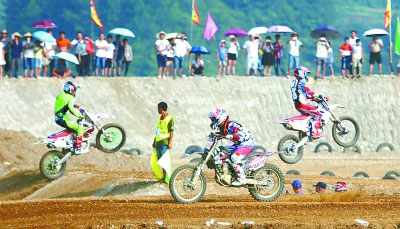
x: 300, y: 92
x: 241, y: 136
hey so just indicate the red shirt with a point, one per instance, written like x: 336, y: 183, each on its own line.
x: 346, y: 50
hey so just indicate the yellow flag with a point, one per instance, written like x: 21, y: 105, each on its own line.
x: 388, y: 14
x: 195, y: 14
x: 95, y: 17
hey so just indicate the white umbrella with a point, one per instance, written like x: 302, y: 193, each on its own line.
x: 171, y: 35
x: 122, y: 32
x: 377, y: 32
x: 68, y: 57
x: 258, y: 30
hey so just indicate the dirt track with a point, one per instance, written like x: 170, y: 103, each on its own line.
x: 117, y: 190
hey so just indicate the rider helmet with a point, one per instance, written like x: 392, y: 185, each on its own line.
x: 217, y: 117
x: 71, y: 88
x: 301, y: 72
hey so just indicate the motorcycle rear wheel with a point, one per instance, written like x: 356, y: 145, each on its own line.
x: 118, y: 134
x: 273, y: 177
x: 179, y: 185
x: 340, y: 136
x: 47, y: 168
x: 290, y: 157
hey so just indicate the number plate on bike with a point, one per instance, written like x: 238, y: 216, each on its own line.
x: 209, y: 143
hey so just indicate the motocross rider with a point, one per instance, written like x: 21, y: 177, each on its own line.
x: 301, y: 95
x: 64, y: 103
x: 242, y: 139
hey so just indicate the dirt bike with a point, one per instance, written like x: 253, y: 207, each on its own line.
x: 345, y: 131
x: 264, y: 181
x: 109, y: 139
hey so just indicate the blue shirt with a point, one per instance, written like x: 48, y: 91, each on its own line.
x: 222, y: 52
x: 16, y: 49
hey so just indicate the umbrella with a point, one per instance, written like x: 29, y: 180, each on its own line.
x: 68, y: 57
x: 171, y: 35
x: 236, y: 32
x: 43, y: 36
x: 279, y: 29
x: 258, y: 30
x: 377, y: 32
x: 44, y: 24
x: 200, y: 50
x: 330, y: 32
x: 122, y: 32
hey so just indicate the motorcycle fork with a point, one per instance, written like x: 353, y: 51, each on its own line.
x: 199, y: 169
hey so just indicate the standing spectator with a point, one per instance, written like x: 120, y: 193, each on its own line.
x: 110, y: 51
x: 233, y: 48
x: 278, y: 55
x: 101, y: 47
x: 268, y: 56
x: 2, y: 60
x: 197, y: 66
x: 358, y: 57
x: 346, y: 56
x: 119, y: 55
x: 375, y: 56
x: 29, y: 55
x: 161, y: 46
x: 222, y: 55
x: 163, y: 139
x: 6, y: 44
x: 170, y: 55
x: 128, y: 55
x: 64, y: 44
x: 39, y: 51
x: 76, y: 43
x: 50, y: 47
x: 320, y: 187
x: 352, y: 42
x: 322, y: 55
x: 297, y: 187
x: 250, y: 49
x: 182, y: 48
x: 330, y: 59
x: 83, y: 57
x: 295, y: 46
x: 16, y: 53
x: 91, y: 52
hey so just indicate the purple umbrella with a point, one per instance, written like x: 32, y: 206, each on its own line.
x: 44, y: 24
x: 330, y: 32
x: 236, y: 32
x: 279, y: 29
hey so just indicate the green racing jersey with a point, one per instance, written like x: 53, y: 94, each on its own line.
x: 65, y: 103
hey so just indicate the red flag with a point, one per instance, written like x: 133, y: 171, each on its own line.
x: 95, y: 17
x: 195, y: 14
x: 388, y: 15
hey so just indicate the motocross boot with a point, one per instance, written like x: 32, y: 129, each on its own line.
x: 78, y: 145
x: 316, y: 130
x: 241, y: 177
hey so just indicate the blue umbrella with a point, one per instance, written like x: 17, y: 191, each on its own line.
x: 200, y: 50
x: 122, y: 32
x: 43, y: 36
x: 330, y: 32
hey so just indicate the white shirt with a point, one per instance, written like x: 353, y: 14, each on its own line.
x: 100, y: 52
x: 251, y: 48
x: 181, y: 47
x: 2, y: 61
x: 50, y: 45
x: 110, y: 50
x: 357, y: 52
x: 352, y: 42
x: 233, y: 48
x: 322, y: 51
x: 76, y: 43
x: 171, y: 51
x: 28, y: 53
x: 294, y: 49
x: 162, y: 45
x: 197, y: 64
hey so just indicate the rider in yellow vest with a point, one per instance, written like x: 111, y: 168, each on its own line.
x: 165, y: 131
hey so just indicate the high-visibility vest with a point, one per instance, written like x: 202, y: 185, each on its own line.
x: 162, y: 128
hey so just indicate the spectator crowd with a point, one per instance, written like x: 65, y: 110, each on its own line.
x: 96, y: 58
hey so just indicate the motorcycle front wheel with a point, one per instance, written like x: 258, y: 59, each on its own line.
x: 272, y: 183
x: 288, y: 154
x: 118, y: 138
x: 47, y: 165
x: 181, y: 185
x: 347, y: 132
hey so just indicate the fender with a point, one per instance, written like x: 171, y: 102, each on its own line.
x: 333, y: 106
x: 100, y: 116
